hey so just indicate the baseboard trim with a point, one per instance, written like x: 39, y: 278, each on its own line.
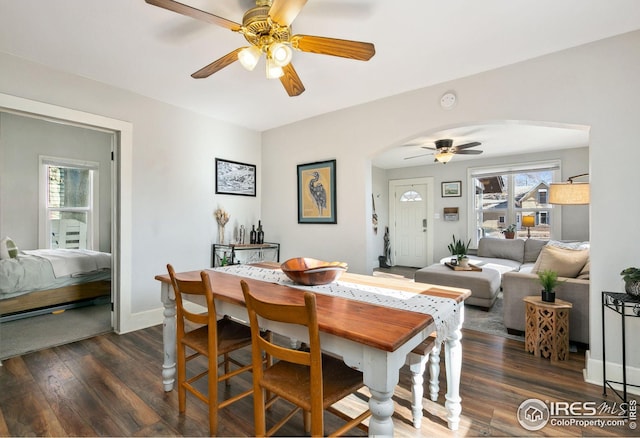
x: 593, y: 374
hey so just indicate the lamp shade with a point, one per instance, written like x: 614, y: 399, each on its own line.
x: 569, y: 193
x: 528, y: 221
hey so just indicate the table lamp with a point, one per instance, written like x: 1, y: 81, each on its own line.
x: 528, y: 221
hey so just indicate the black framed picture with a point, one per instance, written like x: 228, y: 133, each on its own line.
x: 451, y: 189
x: 317, y: 193
x: 234, y: 178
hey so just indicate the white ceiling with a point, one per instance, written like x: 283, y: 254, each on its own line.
x: 152, y: 51
x: 496, y: 138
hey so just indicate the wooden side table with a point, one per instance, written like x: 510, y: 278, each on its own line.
x: 547, y: 328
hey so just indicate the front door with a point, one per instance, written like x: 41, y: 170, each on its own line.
x: 411, y: 225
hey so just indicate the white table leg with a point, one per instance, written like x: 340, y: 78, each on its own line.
x: 168, y: 337
x: 382, y: 407
x: 453, y: 365
x: 417, y: 364
x: 381, y: 372
x: 434, y: 372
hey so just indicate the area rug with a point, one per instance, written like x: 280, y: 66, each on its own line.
x: 36, y: 333
x: 491, y: 321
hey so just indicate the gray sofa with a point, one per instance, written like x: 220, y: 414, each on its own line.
x: 522, y: 256
x: 517, y: 285
x: 515, y: 259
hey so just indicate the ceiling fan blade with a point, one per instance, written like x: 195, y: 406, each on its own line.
x: 429, y: 147
x: 291, y: 81
x: 468, y: 145
x: 192, y: 12
x: 217, y: 65
x: 284, y: 12
x: 416, y: 156
x: 465, y: 152
x: 333, y: 46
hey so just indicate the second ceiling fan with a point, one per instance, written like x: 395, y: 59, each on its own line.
x: 445, y: 150
x: 267, y: 28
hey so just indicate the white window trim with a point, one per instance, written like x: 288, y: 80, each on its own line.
x: 475, y: 172
x: 44, y: 231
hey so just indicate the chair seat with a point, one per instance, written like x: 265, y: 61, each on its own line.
x: 292, y: 382
x: 231, y: 336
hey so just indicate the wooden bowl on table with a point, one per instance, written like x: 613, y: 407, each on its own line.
x: 312, y: 272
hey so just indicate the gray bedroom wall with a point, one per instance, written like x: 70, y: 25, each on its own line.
x: 22, y: 140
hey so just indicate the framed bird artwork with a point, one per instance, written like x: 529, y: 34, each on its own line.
x: 317, y: 193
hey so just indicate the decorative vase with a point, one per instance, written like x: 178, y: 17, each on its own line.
x: 548, y: 296
x: 221, y: 234
x: 632, y: 288
x: 464, y: 262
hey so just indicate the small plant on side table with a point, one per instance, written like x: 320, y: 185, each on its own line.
x: 631, y: 277
x: 548, y: 280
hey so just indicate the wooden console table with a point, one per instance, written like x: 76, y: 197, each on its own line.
x: 547, y: 328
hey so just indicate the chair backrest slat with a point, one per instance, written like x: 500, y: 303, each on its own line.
x: 193, y: 287
x: 305, y: 315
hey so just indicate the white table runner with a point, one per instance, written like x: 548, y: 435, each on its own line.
x: 444, y: 311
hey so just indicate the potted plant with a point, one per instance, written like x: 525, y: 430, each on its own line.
x: 631, y: 277
x: 510, y: 232
x: 459, y: 249
x: 548, y: 280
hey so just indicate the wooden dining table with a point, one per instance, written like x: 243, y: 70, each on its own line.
x: 371, y: 338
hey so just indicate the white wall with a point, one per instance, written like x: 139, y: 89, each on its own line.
x: 173, y: 193
x: 594, y: 85
x: 380, y: 191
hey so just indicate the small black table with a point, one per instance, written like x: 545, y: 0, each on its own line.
x: 624, y: 305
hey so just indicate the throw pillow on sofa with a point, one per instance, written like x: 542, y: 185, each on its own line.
x: 566, y: 262
x: 584, y: 273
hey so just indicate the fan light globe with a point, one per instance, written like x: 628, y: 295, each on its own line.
x: 444, y: 157
x: 274, y: 71
x: 249, y: 57
x: 280, y: 53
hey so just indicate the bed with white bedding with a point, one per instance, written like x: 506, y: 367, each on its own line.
x: 47, y: 277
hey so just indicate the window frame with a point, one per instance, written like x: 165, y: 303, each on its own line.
x: 93, y: 213
x: 512, y: 213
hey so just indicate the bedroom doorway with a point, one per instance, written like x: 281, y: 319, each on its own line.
x: 120, y: 190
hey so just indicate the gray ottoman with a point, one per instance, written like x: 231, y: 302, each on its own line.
x: 484, y: 285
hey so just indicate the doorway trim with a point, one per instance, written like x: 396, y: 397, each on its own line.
x: 393, y: 184
x: 121, y: 227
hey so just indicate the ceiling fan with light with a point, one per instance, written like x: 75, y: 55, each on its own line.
x: 445, y: 150
x: 267, y: 28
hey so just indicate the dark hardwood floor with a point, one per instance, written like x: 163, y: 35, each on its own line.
x: 110, y: 385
